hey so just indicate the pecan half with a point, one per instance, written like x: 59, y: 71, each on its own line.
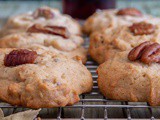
x: 129, y: 11
x: 43, y: 12
x: 147, y: 52
x: 19, y: 57
x: 54, y: 30
x: 142, y: 28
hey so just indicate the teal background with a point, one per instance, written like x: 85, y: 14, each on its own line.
x: 9, y: 8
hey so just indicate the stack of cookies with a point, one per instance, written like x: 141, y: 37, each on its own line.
x: 126, y: 44
x: 41, y: 60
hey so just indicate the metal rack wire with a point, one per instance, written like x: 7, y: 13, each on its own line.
x: 94, y: 100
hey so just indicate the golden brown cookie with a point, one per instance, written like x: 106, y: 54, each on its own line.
x: 132, y: 80
x: 41, y: 80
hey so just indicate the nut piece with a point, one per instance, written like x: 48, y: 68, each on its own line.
x: 135, y: 53
x: 59, y: 30
x: 129, y: 11
x: 43, y: 12
x: 54, y: 30
x: 19, y: 57
x: 147, y: 52
x: 142, y: 28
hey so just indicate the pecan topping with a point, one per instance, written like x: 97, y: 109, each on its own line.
x: 147, y: 52
x: 54, y: 30
x: 129, y: 11
x: 43, y: 12
x: 142, y: 28
x: 19, y: 57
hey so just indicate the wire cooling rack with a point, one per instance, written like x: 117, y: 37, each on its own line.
x: 94, y: 106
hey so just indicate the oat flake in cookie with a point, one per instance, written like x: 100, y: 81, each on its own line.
x: 105, y: 44
x: 44, y: 16
x: 41, y: 81
x: 132, y: 75
x: 113, y: 18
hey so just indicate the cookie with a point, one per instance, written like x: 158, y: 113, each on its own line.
x: 43, y: 16
x: 135, y: 80
x: 114, y: 18
x: 104, y: 44
x: 58, y: 39
x: 41, y: 80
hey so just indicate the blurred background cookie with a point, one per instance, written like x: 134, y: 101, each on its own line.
x: 104, y: 44
x: 103, y: 19
x: 59, y: 39
x: 43, y: 16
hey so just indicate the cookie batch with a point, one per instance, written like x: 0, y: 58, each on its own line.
x: 42, y: 57
x: 42, y: 60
